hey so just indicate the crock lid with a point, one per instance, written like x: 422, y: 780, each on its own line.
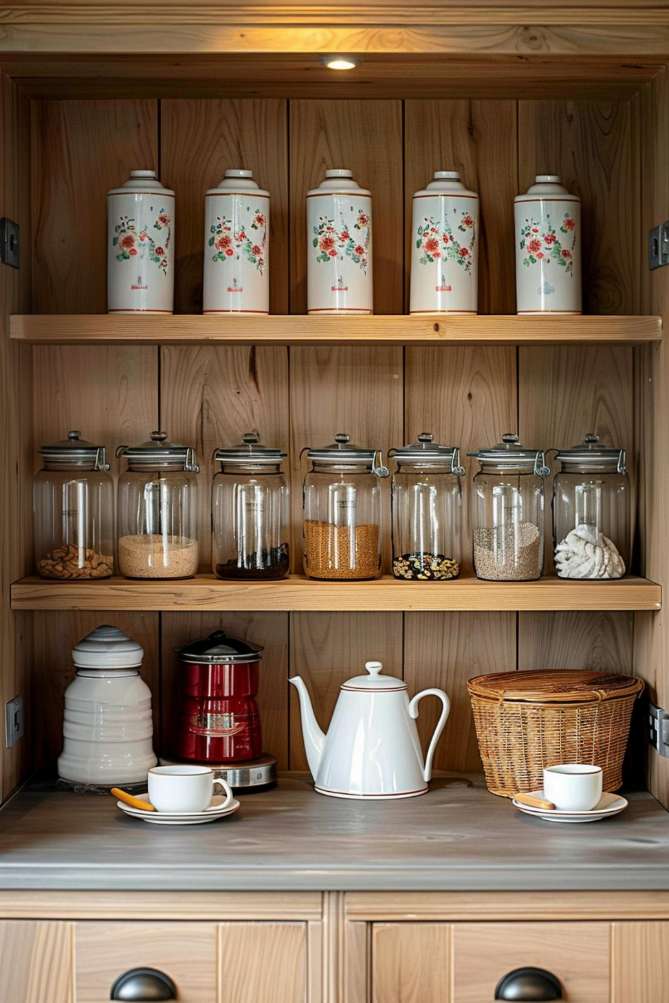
x: 141, y: 183
x: 424, y: 450
x: 549, y: 686
x: 547, y: 184
x: 74, y: 452
x: 107, y: 648
x: 511, y: 454
x: 592, y: 455
x: 158, y: 452
x: 342, y: 452
x: 445, y: 183
x: 220, y: 648
x: 236, y: 180
x: 338, y: 179
x: 374, y: 680
x: 249, y: 451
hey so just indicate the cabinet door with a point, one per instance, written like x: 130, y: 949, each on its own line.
x: 640, y: 963
x: 35, y: 962
x: 411, y: 963
x: 264, y: 963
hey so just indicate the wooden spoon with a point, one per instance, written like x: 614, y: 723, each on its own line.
x: 130, y: 800
x: 534, y: 802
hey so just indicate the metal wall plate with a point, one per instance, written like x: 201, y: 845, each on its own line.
x: 10, y: 243
x: 658, y: 246
x: 658, y: 721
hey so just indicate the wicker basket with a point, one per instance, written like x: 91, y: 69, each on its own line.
x: 528, y: 720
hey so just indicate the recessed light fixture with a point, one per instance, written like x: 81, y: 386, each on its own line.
x: 340, y: 62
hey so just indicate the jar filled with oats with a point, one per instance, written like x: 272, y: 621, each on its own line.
x: 342, y: 511
x: 73, y: 511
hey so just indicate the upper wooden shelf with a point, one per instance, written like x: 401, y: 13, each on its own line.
x: 301, y: 594
x: 79, y: 329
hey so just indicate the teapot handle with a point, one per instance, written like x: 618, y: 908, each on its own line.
x: 436, y: 734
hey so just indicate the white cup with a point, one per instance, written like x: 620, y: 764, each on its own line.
x: 184, y: 788
x: 573, y: 786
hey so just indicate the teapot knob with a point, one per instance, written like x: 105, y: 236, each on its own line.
x: 374, y: 668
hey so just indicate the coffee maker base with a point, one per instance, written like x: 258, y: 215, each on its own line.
x: 252, y: 775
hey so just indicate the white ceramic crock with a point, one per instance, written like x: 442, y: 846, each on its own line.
x: 236, y: 246
x: 108, y: 728
x: 339, y: 246
x: 140, y: 246
x: 548, y: 248
x: 444, y: 247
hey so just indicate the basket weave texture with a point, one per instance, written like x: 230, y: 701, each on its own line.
x: 528, y: 720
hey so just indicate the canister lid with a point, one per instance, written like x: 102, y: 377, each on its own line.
x: 107, y: 648
x: 141, y: 183
x: 510, y: 454
x: 236, y: 180
x: 338, y: 180
x: 374, y: 680
x: 445, y: 183
x: 549, y: 686
x: 249, y: 451
x: 219, y: 648
x: 342, y: 452
x: 592, y: 455
x: 424, y: 450
x: 158, y: 453
x: 547, y: 184
x: 74, y: 452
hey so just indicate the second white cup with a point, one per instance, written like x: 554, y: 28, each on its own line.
x: 573, y: 786
x: 184, y: 788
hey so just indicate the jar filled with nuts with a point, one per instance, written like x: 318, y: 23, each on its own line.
x: 73, y: 511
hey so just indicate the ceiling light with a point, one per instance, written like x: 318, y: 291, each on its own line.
x: 340, y: 62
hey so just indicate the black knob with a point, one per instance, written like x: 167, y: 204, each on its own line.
x: 143, y: 985
x: 533, y: 985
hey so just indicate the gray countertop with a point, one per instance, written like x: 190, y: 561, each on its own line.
x: 457, y: 837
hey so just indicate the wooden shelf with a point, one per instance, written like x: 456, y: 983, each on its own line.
x: 76, y: 329
x: 301, y: 594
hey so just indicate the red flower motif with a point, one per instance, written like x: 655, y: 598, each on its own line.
x: 344, y: 235
x: 534, y: 246
x: 359, y: 250
x: 222, y: 243
x: 540, y: 255
x: 330, y: 229
x: 333, y: 253
x: 256, y: 249
x: 431, y: 245
x: 133, y: 250
x: 433, y: 229
x: 164, y: 218
x: 127, y: 241
x: 445, y: 238
x: 535, y: 229
x: 160, y: 251
x: 327, y: 244
x: 363, y: 219
x: 464, y: 252
x: 260, y: 219
x: 549, y: 238
x: 569, y: 223
x: 229, y: 252
x: 565, y: 253
x: 467, y: 220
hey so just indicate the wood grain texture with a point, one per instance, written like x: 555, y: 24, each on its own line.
x: 411, y: 962
x: 36, y: 962
x: 80, y: 150
x: 366, y: 137
x: 199, y: 140
x: 639, y: 962
x: 267, y: 629
x: 478, y: 139
x: 576, y: 641
x: 263, y: 962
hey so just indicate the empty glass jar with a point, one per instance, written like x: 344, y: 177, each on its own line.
x: 591, y: 511
x: 508, y: 511
x: 157, y: 510
x: 426, y: 506
x: 73, y: 511
x: 249, y: 512
x: 342, y: 511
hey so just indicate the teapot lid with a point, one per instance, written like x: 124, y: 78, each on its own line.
x: 374, y: 681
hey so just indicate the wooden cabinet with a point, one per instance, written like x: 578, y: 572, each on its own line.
x: 36, y: 961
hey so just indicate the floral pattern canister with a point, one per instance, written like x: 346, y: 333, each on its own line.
x: 140, y: 246
x: 339, y: 246
x: 444, y: 247
x: 236, y: 246
x: 548, y: 248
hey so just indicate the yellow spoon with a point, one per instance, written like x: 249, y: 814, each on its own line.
x: 130, y: 800
x: 534, y: 802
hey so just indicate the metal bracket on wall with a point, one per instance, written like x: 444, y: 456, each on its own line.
x: 658, y: 721
x: 9, y: 242
x: 658, y: 246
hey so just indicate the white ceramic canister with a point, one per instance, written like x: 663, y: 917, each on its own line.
x: 339, y: 246
x: 236, y: 246
x: 108, y: 728
x: 444, y: 247
x: 548, y: 248
x: 140, y: 246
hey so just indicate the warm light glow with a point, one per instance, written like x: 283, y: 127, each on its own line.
x: 340, y: 62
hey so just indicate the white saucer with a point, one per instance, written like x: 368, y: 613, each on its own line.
x: 609, y: 804
x: 210, y: 814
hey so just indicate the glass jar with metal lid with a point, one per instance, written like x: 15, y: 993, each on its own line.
x: 591, y: 511
x: 508, y: 511
x: 73, y: 511
x: 426, y: 507
x: 249, y: 512
x: 342, y: 511
x: 157, y: 510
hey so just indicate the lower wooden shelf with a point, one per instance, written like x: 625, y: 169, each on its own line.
x: 297, y: 593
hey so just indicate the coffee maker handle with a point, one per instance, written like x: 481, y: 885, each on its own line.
x: 436, y: 734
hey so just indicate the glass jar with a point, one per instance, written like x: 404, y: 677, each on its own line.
x: 591, y: 512
x: 249, y: 512
x: 342, y: 511
x: 508, y: 512
x: 73, y: 511
x: 157, y: 510
x: 426, y: 505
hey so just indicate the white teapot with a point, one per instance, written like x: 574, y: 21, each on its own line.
x: 371, y: 749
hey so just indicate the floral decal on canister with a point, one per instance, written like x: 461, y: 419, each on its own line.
x: 545, y: 243
x: 348, y: 239
x: 439, y: 242
x: 131, y: 243
x: 228, y: 242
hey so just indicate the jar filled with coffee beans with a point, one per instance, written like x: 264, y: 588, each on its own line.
x: 426, y: 506
x: 73, y: 511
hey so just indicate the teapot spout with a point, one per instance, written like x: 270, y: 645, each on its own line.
x: 314, y: 739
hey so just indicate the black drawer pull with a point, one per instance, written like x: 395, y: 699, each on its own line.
x: 532, y: 985
x: 143, y: 985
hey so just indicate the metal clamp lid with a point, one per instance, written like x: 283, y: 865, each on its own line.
x: 74, y: 452
x: 342, y: 453
x: 592, y: 455
x: 157, y: 453
x: 425, y: 450
x: 249, y: 451
x: 511, y: 454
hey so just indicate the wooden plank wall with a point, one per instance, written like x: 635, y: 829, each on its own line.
x: 381, y: 395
